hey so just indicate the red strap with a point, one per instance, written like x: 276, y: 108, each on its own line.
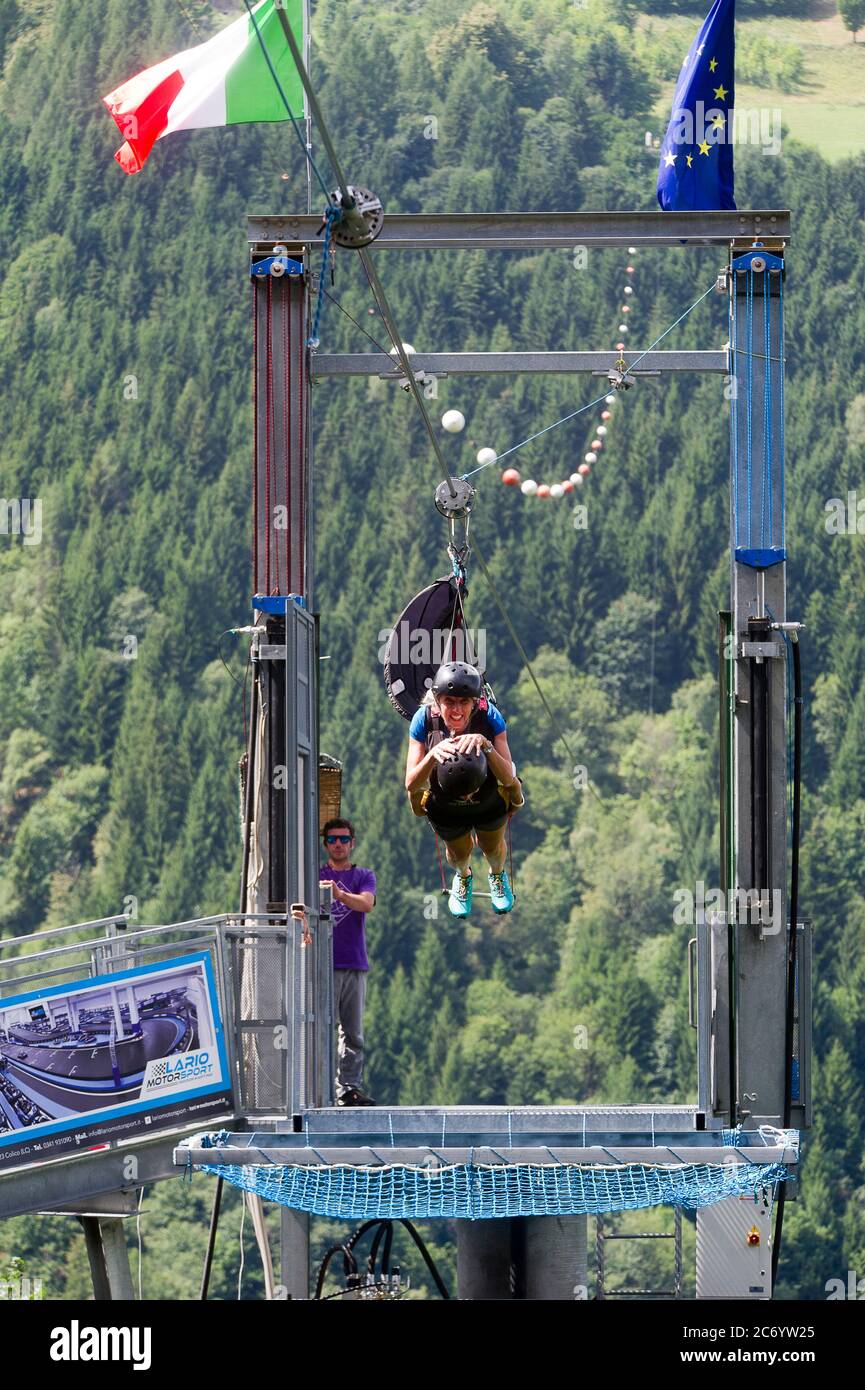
x: 441, y: 865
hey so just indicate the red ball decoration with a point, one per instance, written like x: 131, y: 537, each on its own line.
x: 606, y: 415
x: 597, y: 444
x: 629, y: 270
x: 620, y: 347
x: 584, y: 469
x: 543, y: 490
x: 567, y: 485
x: 511, y: 477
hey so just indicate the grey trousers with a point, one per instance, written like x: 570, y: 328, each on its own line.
x: 349, y: 993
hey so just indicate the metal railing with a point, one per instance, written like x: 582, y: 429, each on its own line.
x: 274, y: 983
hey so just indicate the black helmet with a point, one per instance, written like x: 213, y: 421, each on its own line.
x: 461, y: 774
x: 458, y: 678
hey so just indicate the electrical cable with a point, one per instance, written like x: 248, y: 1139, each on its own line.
x: 793, y: 937
x: 428, y: 1260
x: 138, y: 1234
x: 373, y: 1252
x: 384, y: 1233
x: 385, y: 1254
x: 333, y: 299
x: 211, y: 1238
x: 225, y: 633
x: 242, y: 1220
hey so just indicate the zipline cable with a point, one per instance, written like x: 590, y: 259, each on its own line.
x: 384, y: 308
x: 348, y: 205
x: 525, y: 660
x: 583, y: 408
x: 333, y: 299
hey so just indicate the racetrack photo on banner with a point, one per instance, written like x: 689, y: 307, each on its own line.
x: 110, y: 1056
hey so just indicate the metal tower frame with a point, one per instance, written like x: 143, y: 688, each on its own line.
x: 740, y: 969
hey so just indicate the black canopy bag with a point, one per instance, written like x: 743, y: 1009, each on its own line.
x: 428, y: 632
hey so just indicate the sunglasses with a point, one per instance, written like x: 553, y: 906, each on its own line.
x: 338, y: 840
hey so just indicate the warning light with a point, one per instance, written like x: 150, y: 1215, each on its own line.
x: 754, y: 1236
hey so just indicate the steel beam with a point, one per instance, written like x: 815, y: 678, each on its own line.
x: 53, y: 1184
x: 553, y: 1149
x: 531, y: 231
x: 506, y: 363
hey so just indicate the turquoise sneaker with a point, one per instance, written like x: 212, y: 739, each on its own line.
x: 460, y: 898
x: 501, y: 896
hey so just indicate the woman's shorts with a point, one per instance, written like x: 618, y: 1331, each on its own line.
x: 451, y: 821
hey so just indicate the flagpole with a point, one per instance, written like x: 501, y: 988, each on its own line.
x: 348, y: 200
x: 307, y: 44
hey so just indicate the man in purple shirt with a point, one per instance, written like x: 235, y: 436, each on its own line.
x: 353, y: 896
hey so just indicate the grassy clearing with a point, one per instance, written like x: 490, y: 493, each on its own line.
x: 828, y: 108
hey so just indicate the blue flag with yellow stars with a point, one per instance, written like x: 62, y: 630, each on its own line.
x: 696, y: 168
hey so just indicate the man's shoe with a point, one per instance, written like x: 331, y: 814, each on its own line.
x: 354, y: 1096
x: 501, y: 895
x: 460, y: 899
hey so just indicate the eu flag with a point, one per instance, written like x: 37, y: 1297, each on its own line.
x: 696, y: 168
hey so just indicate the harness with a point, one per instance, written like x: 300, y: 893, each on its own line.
x: 437, y: 732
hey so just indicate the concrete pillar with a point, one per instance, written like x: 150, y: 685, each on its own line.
x: 556, y: 1258
x: 294, y: 1252
x: 537, y: 1258
x: 484, y: 1259
x: 109, y: 1258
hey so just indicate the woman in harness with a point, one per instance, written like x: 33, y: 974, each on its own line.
x: 460, y: 775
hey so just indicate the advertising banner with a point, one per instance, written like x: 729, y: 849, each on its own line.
x: 109, y: 1057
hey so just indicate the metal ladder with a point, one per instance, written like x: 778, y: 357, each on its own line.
x: 675, y: 1235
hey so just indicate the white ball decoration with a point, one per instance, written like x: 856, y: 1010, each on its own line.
x: 407, y: 349
x: 486, y: 456
x: 629, y: 289
x: 623, y: 328
x: 453, y: 421
x: 601, y: 430
x: 577, y: 479
x: 591, y: 457
x: 529, y: 487
x: 556, y: 490
x: 611, y: 398
x: 632, y: 250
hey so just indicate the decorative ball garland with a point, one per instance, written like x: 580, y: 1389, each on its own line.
x: 453, y: 421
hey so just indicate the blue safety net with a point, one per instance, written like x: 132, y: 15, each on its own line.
x: 474, y: 1191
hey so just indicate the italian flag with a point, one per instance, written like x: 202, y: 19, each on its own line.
x: 226, y: 81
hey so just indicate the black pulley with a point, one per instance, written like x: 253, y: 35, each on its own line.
x: 454, y: 497
x: 361, y: 223
x: 428, y: 632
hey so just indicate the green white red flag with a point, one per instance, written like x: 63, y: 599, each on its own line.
x: 226, y: 81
